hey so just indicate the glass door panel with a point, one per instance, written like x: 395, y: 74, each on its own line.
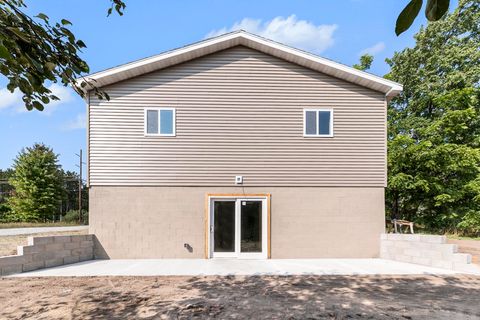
x: 238, y: 228
x: 250, y: 226
x: 224, y: 226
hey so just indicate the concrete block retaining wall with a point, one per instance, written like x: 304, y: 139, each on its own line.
x: 45, y: 252
x: 428, y: 250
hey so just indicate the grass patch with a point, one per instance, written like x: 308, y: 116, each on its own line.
x: 457, y: 237
x: 9, y: 225
x: 452, y: 236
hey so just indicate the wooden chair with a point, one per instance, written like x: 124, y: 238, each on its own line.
x: 401, y: 223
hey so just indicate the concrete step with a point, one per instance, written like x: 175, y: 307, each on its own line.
x: 475, y: 257
x: 473, y: 252
x: 467, y: 268
x: 419, y: 238
x: 471, y: 247
x: 429, y: 250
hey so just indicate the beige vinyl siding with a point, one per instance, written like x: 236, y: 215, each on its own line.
x: 238, y: 112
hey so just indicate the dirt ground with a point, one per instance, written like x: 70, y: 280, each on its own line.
x: 8, y: 244
x: 299, y: 297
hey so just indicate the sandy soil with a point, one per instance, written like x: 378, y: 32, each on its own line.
x: 8, y: 244
x: 300, y: 297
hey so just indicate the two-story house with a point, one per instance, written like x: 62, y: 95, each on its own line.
x: 237, y: 146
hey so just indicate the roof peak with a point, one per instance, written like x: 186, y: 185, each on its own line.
x: 253, y: 41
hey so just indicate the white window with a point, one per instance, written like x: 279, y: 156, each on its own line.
x: 318, y: 122
x: 160, y: 122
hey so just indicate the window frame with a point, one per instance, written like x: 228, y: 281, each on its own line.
x: 317, y: 135
x: 158, y: 134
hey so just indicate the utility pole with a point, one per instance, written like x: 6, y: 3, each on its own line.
x: 80, y: 164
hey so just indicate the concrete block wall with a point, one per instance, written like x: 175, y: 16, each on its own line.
x: 46, y: 252
x: 306, y: 222
x: 428, y: 250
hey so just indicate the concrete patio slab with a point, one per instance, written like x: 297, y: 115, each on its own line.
x: 20, y: 231
x: 222, y: 267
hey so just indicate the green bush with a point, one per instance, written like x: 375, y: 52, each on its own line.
x: 72, y: 216
x: 470, y: 223
x: 4, y: 211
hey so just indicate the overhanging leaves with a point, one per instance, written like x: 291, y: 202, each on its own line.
x: 35, y: 52
x: 436, y: 9
x: 407, y: 16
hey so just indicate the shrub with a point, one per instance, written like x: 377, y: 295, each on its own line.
x: 4, y: 211
x: 470, y: 223
x: 72, y: 216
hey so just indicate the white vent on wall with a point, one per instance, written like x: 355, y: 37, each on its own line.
x: 238, y: 179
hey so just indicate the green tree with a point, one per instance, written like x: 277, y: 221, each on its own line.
x: 434, y: 128
x: 37, y: 183
x: 34, y: 51
x: 5, y: 191
x: 70, y: 185
x: 365, y: 62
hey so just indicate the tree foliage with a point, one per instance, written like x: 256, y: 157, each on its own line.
x: 434, y: 11
x: 70, y: 187
x: 365, y: 62
x: 37, y: 184
x: 68, y: 183
x: 5, y: 191
x: 35, y: 51
x: 434, y: 126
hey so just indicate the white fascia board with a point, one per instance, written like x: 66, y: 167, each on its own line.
x: 326, y: 62
x: 228, y: 40
x: 162, y: 56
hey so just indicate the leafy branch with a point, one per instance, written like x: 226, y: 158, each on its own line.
x: 34, y: 51
x: 435, y: 10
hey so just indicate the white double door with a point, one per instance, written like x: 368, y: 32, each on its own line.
x: 238, y: 228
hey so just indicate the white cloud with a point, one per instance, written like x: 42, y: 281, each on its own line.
x: 291, y: 31
x: 8, y: 99
x: 14, y: 100
x: 373, y: 50
x: 80, y: 122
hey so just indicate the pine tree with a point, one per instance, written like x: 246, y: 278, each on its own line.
x: 37, y: 185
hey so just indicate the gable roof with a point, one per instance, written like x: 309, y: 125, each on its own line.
x: 228, y: 40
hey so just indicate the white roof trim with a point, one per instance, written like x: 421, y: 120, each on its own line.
x: 244, y: 38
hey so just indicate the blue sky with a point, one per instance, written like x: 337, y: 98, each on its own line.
x: 337, y: 29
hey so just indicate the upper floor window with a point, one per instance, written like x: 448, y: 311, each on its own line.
x: 160, y: 122
x: 318, y: 122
